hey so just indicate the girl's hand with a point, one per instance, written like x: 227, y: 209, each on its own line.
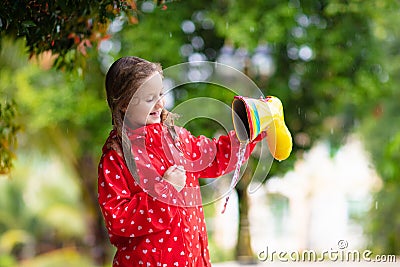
x: 176, y: 175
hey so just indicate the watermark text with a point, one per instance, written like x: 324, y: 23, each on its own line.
x: 339, y: 254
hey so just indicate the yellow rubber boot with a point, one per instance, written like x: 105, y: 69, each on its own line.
x: 279, y: 140
x: 278, y: 136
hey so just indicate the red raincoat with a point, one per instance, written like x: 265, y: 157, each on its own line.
x: 148, y: 220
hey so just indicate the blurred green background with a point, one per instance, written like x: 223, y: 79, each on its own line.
x: 334, y: 64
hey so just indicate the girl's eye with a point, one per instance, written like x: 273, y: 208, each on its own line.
x: 154, y: 98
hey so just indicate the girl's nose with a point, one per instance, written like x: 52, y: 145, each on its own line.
x: 160, y: 103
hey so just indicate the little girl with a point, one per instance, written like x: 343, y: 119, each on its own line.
x: 148, y: 187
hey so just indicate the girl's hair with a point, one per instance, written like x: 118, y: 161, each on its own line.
x: 123, y: 79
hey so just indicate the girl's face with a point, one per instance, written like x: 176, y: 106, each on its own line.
x: 147, y: 103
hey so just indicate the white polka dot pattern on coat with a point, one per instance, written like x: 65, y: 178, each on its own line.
x: 149, y: 222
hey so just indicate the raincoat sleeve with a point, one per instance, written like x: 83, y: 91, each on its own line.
x: 217, y: 156
x: 129, y: 210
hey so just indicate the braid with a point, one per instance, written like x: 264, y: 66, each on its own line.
x: 130, y: 161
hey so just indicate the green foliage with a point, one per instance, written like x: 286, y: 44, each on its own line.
x: 7, y: 261
x: 247, y: 23
x: 63, y: 113
x: 8, y: 131
x: 159, y: 36
x: 330, y: 63
x: 55, y: 102
x: 50, y: 101
x: 40, y: 208
x: 60, y: 26
x: 219, y: 254
x: 381, y: 134
x: 161, y: 45
x: 348, y: 83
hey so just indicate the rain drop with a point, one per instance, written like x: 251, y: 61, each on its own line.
x: 293, y: 52
x: 198, y: 16
x: 188, y: 27
x: 303, y: 20
x: 298, y: 32
x: 148, y: 7
x: 186, y: 50
x: 116, y: 25
x: 207, y: 24
x: 197, y: 42
x: 294, y: 82
x: 305, y: 53
x: 105, y: 46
